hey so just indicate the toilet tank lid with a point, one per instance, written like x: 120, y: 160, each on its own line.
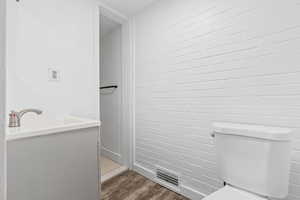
x: 255, y: 131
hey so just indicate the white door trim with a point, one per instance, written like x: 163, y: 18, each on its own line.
x: 2, y: 99
x: 127, y: 82
x: 132, y: 86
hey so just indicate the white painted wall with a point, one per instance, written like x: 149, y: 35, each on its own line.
x: 2, y: 102
x: 203, y: 61
x: 52, y: 34
x: 110, y: 103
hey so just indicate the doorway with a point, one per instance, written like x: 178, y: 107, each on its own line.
x: 112, y: 161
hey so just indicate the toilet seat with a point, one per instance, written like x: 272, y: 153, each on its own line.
x: 231, y: 193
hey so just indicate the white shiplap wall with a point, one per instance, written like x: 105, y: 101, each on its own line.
x: 200, y: 61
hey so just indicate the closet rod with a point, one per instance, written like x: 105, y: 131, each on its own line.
x: 110, y: 86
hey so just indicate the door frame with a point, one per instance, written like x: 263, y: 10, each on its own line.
x: 2, y: 99
x: 127, y: 78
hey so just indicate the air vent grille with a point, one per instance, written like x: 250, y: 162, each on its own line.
x: 168, y: 177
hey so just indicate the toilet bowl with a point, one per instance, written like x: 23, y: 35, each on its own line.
x: 252, y: 160
x: 231, y: 193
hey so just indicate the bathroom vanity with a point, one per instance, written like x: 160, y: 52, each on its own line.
x: 53, y: 159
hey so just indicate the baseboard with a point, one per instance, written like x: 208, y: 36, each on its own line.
x: 183, y: 190
x: 111, y: 155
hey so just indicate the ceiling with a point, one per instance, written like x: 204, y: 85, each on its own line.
x: 128, y: 7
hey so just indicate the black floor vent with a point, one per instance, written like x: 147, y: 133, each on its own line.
x: 168, y: 177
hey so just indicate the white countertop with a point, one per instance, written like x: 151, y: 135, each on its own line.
x: 39, y: 126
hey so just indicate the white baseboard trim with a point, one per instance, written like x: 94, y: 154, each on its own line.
x: 183, y: 190
x: 113, y: 173
x: 112, y: 155
x: 191, y: 193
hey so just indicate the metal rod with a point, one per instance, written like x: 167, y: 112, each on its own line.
x: 110, y: 86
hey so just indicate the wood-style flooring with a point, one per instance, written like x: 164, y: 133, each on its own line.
x: 133, y: 186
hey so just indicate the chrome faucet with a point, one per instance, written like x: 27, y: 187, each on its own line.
x: 15, y: 117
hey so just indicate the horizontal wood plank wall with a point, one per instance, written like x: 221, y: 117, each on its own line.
x: 200, y: 61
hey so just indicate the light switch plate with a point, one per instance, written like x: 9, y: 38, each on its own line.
x: 53, y: 74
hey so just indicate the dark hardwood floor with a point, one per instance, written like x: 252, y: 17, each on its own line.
x: 133, y: 186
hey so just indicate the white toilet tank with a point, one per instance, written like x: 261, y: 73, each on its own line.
x: 254, y: 158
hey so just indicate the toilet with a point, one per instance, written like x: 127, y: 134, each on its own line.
x: 252, y: 160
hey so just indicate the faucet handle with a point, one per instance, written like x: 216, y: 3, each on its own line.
x: 13, y: 119
x: 13, y: 114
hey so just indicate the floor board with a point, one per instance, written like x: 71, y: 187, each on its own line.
x: 133, y: 186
